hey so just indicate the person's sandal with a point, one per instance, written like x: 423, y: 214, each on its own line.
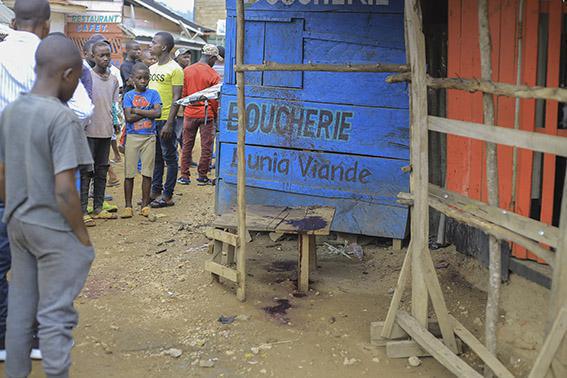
x: 145, y: 211
x: 104, y: 215
x: 184, y: 181
x: 89, y: 221
x: 161, y: 203
x: 204, y: 181
x: 126, y: 213
x: 113, y: 183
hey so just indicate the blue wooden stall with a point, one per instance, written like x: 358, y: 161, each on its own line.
x: 320, y: 138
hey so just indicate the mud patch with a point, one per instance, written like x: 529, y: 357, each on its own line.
x: 283, y: 266
x: 279, y: 311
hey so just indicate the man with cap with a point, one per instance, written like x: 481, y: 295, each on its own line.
x: 201, y: 116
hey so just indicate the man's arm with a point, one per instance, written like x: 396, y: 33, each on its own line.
x: 167, y: 131
x: 69, y: 204
x: 2, y: 184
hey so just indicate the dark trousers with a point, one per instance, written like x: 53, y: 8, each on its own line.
x: 207, y: 130
x: 100, y: 149
x: 5, y: 261
x: 166, y: 155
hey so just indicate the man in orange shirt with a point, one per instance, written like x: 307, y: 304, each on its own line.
x: 199, y: 76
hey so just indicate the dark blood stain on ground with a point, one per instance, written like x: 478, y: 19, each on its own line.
x: 283, y: 266
x: 308, y: 223
x: 279, y: 311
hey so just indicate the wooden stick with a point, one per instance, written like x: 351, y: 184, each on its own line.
x: 272, y: 66
x: 241, y: 150
x: 415, y: 42
x: 551, y: 144
x: 487, y: 86
x: 495, y: 265
x: 559, y: 283
x: 398, y: 293
x: 551, y: 345
x: 435, y: 347
x: 476, y: 346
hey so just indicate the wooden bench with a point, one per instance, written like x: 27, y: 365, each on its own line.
x: 306, y: 222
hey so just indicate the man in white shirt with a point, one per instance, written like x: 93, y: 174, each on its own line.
x: 17, y: 75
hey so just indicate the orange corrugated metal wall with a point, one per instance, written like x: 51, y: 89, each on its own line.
x: 466, y: 167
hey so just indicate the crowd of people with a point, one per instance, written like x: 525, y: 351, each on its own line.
x: 63, y: 115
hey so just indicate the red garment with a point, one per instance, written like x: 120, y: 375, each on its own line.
x: 190, y: 128
x: 200, y: 76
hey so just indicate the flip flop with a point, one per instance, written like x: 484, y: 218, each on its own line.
x: 104, y: 215
x: 145, y: 211
x: 89, y: 221
x: 161, y: 203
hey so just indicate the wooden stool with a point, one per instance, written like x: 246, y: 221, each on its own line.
x: 306, y: 222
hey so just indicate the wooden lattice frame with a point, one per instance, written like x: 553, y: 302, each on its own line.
x: 497, y: 223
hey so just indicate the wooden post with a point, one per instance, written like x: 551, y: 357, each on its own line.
x: 303, y: 263
x: 241, y: 147
x: 415, y: 42
x: 559, y: 283
x: 495, y: 265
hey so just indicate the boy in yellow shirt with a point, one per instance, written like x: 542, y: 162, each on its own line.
x: 166, y: 77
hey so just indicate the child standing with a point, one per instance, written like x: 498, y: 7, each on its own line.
x: 99, y: 132
x: 141, y: 108
x: 51, y: 249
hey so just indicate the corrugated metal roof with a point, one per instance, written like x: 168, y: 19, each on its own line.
x: 146, y: 35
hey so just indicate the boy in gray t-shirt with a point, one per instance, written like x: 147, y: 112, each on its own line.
x: 42, y: 144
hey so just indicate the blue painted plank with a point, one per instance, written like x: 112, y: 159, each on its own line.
x: 283, y: 44
x: 324, y: 127
x: 366, y: 179
x: 370, y: 6
x: 351, y: 216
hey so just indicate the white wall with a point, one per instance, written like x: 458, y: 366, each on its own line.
x: 57, y: 22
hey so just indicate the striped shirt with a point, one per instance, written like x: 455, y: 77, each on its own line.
x: 17, y: 73
x: 17, y: 63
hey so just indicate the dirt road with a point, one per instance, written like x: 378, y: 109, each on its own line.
x: 148, y: 300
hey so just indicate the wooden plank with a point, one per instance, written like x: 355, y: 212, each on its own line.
x: 489, y: 87
x: 398, y: 293
x: 331, y: 127
x: 312, y: 253
x: 501, y: 135
x: 223, y: 236
x: 404, y: 349
x: 272, y: 66
x: 552, y: 343
x: 352, y: 216
x: 303, y: 264
x: 559, y: 284
x: 222, y: 271
x: 312, y: 220
x: 435, y: 347
x: 492, y: 229
x: 419, y: 226
x: 397, y: 244
x: 375, y: 180
x: 409, y: 348
x: 376, y: 329
x: 241, y: 153
x: 476, y: 346
x: 519, y: 224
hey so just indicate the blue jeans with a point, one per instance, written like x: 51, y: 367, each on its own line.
x: 166, y: 155
x: 5, y: 262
